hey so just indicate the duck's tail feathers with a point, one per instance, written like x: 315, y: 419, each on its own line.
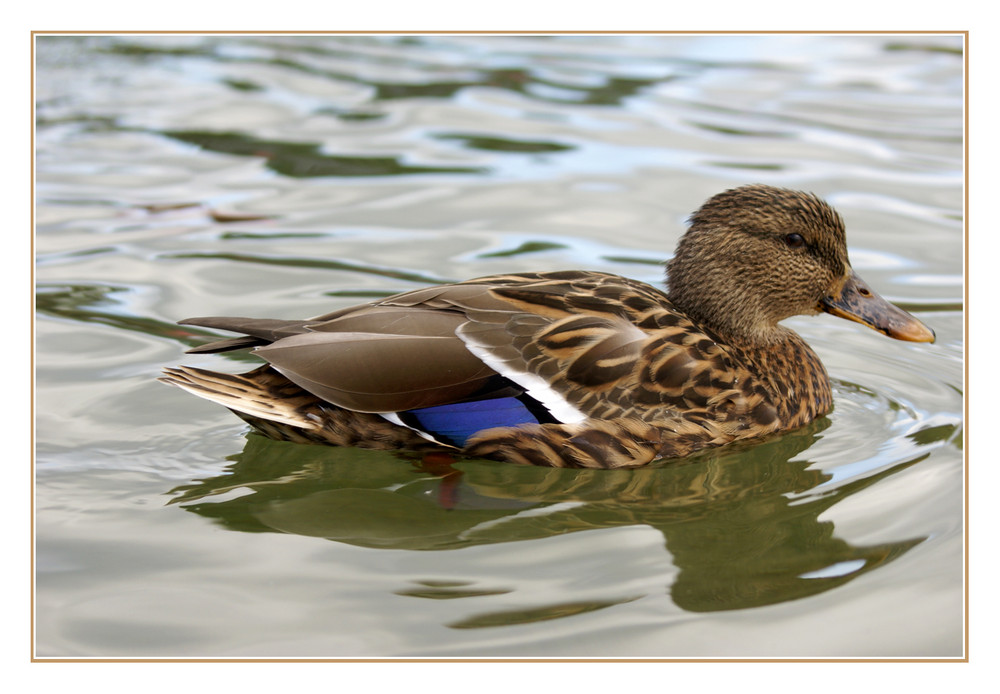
x: 281, y: 410
x: 256, y: 332
x: 261, y: 393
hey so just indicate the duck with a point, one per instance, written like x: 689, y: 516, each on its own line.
x: 575, y: 368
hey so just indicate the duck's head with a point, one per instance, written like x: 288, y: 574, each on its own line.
x: 756, y: 255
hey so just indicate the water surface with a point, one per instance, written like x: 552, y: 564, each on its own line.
x: 288, y: 176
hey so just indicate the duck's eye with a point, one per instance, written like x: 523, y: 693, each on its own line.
x: 795, y: 241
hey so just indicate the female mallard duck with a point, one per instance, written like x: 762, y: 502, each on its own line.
x: 572, y: 369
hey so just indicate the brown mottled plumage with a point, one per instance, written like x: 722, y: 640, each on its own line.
x: 616, y: 372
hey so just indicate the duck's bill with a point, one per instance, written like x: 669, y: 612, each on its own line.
x: 858, y: 302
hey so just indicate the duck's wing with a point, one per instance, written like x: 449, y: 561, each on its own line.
x: 580, y: 345
x: 370, y: 359
x: 610, y: 348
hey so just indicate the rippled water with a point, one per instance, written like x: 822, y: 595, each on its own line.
x: 288, y: 176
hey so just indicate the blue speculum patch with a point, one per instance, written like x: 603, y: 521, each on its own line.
x: 454, y: 424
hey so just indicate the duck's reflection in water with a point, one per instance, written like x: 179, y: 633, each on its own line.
x: 740, y: 525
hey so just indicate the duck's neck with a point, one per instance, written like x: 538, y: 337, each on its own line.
x: 791, y: 371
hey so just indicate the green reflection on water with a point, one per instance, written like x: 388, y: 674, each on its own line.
x: 504, y: 144
x: 540, y: 614
x: 448, y: 590
x: 525, y: 248
x: 304, y: 160
x: 738, y: 523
